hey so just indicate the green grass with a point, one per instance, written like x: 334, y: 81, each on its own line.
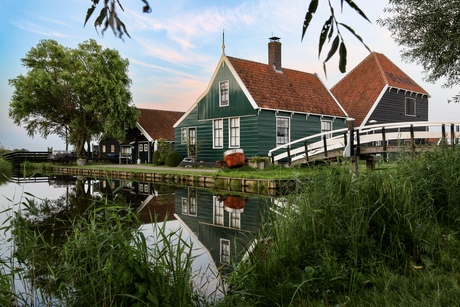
x: 386, y: 238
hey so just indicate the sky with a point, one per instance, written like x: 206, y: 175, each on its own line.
x: 174, y: 50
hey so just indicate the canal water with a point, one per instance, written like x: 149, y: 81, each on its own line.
x: 220, y: 225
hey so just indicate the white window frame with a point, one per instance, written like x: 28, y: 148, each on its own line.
x: 194, y: 139
x: 326, y: 129
x: 407, y: 102
x: 183, y: 135
x: 288, y: 130
x: 218, y: 216
x: 234, y: 132
x: 224, y: 98
x: 218, y: 133
x: 104, y: 148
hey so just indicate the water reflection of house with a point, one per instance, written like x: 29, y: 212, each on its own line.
x: 157, y: 208
x: 150, y: 204
x: 224, y: 224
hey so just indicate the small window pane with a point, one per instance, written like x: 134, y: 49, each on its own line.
x: 325, y: 127
x: 410, y: 106
x: 282, y: 131
x: 218, y: 133
x: 223, y: 88
x: 235, y: 132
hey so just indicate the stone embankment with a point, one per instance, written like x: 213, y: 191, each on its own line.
x: 272, y: 187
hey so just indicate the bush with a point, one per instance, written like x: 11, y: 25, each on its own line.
x: 157, y: 158
x: 6, y: 169
x: 173, y: 159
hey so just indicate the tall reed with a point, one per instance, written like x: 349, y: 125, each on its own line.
x: 102, y: 260
x: 337, y: 240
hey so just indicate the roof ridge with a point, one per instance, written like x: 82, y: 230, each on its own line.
x: 162, y: 110
x: 260, y: 63
x: 380, y: 66
x: 351, y: 71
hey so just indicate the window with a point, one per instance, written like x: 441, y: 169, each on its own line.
x: 126, y: 150
x: 146, y: 147
x: 189, y: 205
x: 191, y: 142
x: 410, y: 106
x: 282, y: 130
x: 218, y: 133
x: 235, y: 219
x: 183, y: 135
x: 224, y: 251
x: 326, y: 126
x: 104, y: 148
x: 218, y: 211
x: 112, y: 148
x: 192, y: 136
x: 223, y: 97
x: 234, y: 130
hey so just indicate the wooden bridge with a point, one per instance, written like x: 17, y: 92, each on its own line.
x: 367, y: 141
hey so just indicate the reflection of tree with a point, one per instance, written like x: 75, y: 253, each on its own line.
x: 84, y: 250
x: 43, y: 227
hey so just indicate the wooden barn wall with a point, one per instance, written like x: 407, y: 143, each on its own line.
x: 391, y: 108
x: 239, y: 105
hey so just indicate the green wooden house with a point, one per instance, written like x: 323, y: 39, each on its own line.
x: 256, y: 107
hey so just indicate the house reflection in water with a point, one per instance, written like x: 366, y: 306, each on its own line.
x: 222, y: 223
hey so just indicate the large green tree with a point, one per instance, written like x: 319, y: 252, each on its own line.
x: 429, y: 31
x: 77, y: 94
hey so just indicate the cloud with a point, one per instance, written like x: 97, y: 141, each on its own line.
x: 39, y: 29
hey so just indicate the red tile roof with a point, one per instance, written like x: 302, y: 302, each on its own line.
x: 159, y: 123
x: 289, y: 90
x: 360, y: 88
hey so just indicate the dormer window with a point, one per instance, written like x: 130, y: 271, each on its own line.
x: 223, y: 97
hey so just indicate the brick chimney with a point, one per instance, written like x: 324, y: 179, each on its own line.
x: 274, y: 53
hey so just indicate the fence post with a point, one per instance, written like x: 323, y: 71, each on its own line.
x: 412, y: 141
x: 325, y: 145
x: 351, y: 144
x: 443, y: 136
x: 384, y: 139
x: 306, y: 149
x: 288, y: 149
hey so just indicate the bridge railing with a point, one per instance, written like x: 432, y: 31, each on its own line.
x: 320, y: 145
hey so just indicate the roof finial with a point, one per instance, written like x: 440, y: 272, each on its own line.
x: 223, y: 42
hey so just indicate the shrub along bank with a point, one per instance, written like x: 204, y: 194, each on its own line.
x: 5, y: 170
x: 386, y: 238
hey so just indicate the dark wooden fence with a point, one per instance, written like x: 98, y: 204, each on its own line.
x: 18, y: 157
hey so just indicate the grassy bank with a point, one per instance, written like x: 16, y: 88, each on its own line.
x: 387, y: 238
x: 270, y: 172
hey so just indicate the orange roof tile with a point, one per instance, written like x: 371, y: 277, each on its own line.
x: 159, y: 123
x: 360, y: 88
x: 289, y: 90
